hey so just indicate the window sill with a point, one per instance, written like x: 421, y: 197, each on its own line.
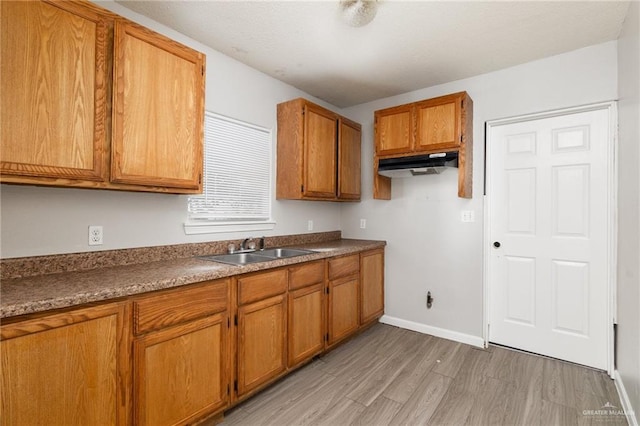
x: 203, y: 227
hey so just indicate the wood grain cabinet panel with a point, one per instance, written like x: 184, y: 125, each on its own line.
x: 306, y: 323
x: 344, y: 318
x: 259, y: 286
x: 262, y: 352
x: 320, y: 134
x: 371, y: 285
x: 306, y: 327
x: 349, y: 175
x: 438, y: 124
x: 181, y: 372
x: 344, y: 265
x: 394, y: 130
x: 176, y: 306
x: 318, y: 154
x: 159, y: 110
x: 53, y: 102
x: 67, y: 368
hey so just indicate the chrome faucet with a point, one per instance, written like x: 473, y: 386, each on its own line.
x: 261, y: 243
x: 243, y: 244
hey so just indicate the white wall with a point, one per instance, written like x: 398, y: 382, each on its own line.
x: 428, y: 247
x: 37, y: 221
x: 628, y: 356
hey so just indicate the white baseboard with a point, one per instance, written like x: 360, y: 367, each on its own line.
x: 624, y: 399
x: 434, y: 331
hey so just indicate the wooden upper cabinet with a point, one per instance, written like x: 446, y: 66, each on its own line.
x: 92, y: 100
x: 320, y: 135
x: 349, y: 160
x: 394, y: 130
x: 158, y: 110
x: 439, y: 123
x: 318, y: 154
x: 442, y: 124
x: 53, y: 102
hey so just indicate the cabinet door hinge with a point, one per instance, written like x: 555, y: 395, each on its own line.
x: 235, y: 320
x: 235, y: 385
x: 199, y: 178
x: 228, y: 390
x: 301, y: 188
x: 327, y: 290
x: 326, y: 337
x: 202, y: 70
x: 460, y: 138
x: 228, y: 322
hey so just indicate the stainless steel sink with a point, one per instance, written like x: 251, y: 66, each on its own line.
x: 240, y: 259
x: 279, y: 253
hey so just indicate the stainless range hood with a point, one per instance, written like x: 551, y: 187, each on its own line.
x: 429, y: 164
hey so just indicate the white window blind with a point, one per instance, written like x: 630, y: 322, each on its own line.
x: 237, y: 172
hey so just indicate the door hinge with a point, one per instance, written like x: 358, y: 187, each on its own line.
x: 228, y: 322
x: 326, y: 337
x: 228, y: 390
x: 200, y: 179
x: 202, y: 70
x: 235, y: 320
x: 327, y: 290
x: 301, y: 188
x: 235, y: 385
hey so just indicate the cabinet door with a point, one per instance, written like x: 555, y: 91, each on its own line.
x: 159, y: 110
x: 394, y: 130
x: 320, y: 141
x: 344, y: 319
x: 66, y: 369
x: 261, y: 342
x: 53, y: 104
x: 181, y: 373
x: 349, y: 161
x: 371, y: 285
x: 306, y: 330
x: 439, y: 124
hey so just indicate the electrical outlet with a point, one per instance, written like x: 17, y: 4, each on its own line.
x: 309, y: 225
x: 95, y: 235
x: 363, y: 223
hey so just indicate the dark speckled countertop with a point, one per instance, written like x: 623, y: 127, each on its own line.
x: 38, y: 293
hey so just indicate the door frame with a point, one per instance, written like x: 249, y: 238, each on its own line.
x: 612, y: 212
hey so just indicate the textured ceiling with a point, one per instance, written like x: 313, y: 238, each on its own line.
x: 409, y: 45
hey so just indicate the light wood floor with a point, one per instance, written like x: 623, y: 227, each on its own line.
x: 392, y: 376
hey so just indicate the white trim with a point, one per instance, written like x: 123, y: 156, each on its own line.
x: 468, y: 339
x: 211, y: 227
x: 624, y: 399
x: 612, y: 160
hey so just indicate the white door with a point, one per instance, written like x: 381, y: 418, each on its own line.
x: 549, y: 225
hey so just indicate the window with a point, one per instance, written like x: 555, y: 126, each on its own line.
x: 237, y: 178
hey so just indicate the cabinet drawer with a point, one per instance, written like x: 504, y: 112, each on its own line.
x: 179, y: 305
x: 260, y: 286
x: 343, y: 266
x: 306, y: 274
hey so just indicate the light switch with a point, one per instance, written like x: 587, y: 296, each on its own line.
x: 467, y: 216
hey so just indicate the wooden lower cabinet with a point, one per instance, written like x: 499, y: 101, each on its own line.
x: 181, y: 372
x: 69, y: 368
x: 181, y: 354
x: 371, y: 285
x: 306, y: 328
x: 344, y: 318
x: 262, y: 352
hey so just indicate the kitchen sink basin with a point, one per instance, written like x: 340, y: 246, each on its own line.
x: 280, y: 253
x: 240, y: 259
